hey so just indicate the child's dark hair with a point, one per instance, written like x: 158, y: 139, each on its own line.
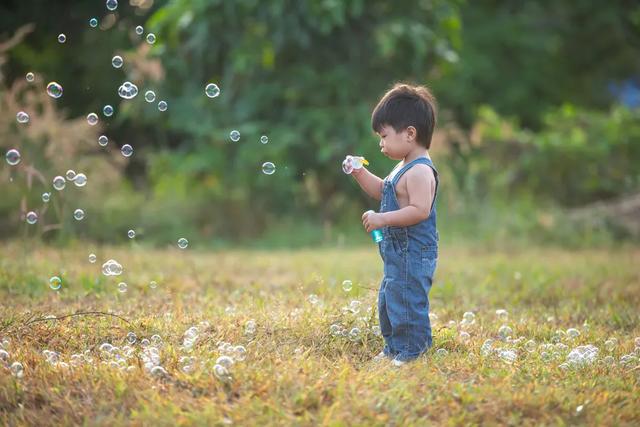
x: 403, y: 106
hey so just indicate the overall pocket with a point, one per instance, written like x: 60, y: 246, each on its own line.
x: 429, y: 258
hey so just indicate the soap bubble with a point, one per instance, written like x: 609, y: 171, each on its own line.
x: 131, y: 234
x: 442, y: 352
x: 502, y: 314
x: 573, y: 332
x: 107, y: 110
x: 112, y: 5
x: 239, y: 353
x: 149, y: 96
x: 4, y: 356
x: 225, y: 361
x: 505, y: 331
x: 347, y: 285
x: 59, y: 183
x: 250, y: 327
x: 54, y: 90
x: 92, y: 119
x: 80, y: 180
x: 151, y: 38
x: 93, y: 22
x: 158, y: 372
x: 264, y: 139
x: 128, y: 90
x: 582, y: 355
x: 153, y: 284
x: 12, y: 157
x: 17, y: 370
x: 122, y: 287
x: 313, y: 298
x: 103, y: 140
x: 354, y: 306
x: 22, y: 117
x: 508, y: 356
x: 78, y: 214
x: 117, y: 61
x: 126, y: 150
x: 92, y: 258
x: 139, y: 30
x: 55, y: 283
x: 32, y: 217
x: 234, y: 135
x: 30, y: 77
x: 469, y: 317
x: 212, y: 90
x: 222, y: 373
x: 530, y: 346
x: 70, y: 175
x: 268, y: 168
x: 162, y: 105
x: 611, y: 344
x: 354, y: 334
x: 46, y: 197
x: 183, y: 243
x: 62, y: 38
x: 465, y: 337
x: 112, y: 268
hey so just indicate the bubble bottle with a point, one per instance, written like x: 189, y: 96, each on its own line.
x: 376, y: 235
x: 351, y: 163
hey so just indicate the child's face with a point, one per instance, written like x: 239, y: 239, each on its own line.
x: 394, y: 145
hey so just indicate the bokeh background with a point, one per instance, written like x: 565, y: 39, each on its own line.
x: 538, y: 140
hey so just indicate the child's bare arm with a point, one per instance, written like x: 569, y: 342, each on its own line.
x: 421, y: 189
x: 371, y: 184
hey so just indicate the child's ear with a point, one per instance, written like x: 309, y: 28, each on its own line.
x: 411, y: 134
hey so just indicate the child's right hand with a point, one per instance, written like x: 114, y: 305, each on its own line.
x: 353, y: 164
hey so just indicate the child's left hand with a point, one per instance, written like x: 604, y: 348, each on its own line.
x: 372, y: 221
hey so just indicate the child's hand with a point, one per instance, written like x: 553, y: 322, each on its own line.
x: 372, y: 221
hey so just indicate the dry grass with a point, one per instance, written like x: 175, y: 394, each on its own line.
x: 296, y: 372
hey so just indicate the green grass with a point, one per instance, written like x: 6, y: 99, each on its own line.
x: 295, y: 371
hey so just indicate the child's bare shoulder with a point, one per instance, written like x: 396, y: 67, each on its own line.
x: 422, y: 171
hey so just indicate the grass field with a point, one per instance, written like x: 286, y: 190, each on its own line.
x: 296, y: 371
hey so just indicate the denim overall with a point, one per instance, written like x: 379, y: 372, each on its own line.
x: 410, y: 255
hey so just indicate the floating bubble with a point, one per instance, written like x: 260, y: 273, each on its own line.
x: 139, y: 30
x: 30, y: 77
x: 78, y: 214
x: 313, y: 299
x: 128, y: 90
x: 212, y: 90
x: 153, y: 284
x: 70, y: 175
x: 582, y: 355
x: 12, y: 157
x: 62, y: 38
x: 112, y: 268
x: 347, y: 285
x: 17, y: 370
x: 225, y: 361
x: 162, y: 105
x: 264, y: 139
x: 354, y: 333
x: 126, y: 150
x: 117, y: 61
x: 250, y: 327
x: 4, y: 356
x: 234, y: 135
x: 107, y: 110
x: 239, y: 353
x: 122, y: 287
x: 92, y: 119
x: 149, y: 96
x: 158, y: 372
x: 54, y: 90
x: 93, y: 22
x: 131, y: 234
x: 508, y: 356
x: 469, y: 317
x: 465, y: 337
x: 268, y: 168
x: 530, y: 346
x: 31, y: 217
x: 22, y: 117
x: 131, y: 338
x: 151, y: 38
x: 103, y: 140
x: 46, y: 197
x: 112, y: 5
x: 183, y: 243
x: 59, y: 183
x: 354, y: 306
x: 376, y: 330
x: 80, y: 180
x: 55, y: 283
x: 92, y: 258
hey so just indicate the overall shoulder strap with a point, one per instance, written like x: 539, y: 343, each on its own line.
x: 409, y: 165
